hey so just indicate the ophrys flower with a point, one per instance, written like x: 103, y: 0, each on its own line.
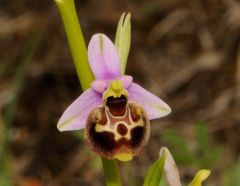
x: 115, y: 112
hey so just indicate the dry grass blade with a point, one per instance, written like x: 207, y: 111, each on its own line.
x: 205, y: 61
x: 10, y: 26
x: 166, y: 25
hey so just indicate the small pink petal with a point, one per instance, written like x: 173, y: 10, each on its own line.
x: 75, y: 116
x: 154, y: 106
x: 103, y: 57
x: 170, y: 168
x: 99, y: 85
x: 126, y: 80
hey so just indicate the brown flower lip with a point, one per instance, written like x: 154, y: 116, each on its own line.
x: 119, y: 127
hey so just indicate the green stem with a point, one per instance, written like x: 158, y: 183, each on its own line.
x: 76, y: 41
x: 111, y: 172
x: 79, y: 53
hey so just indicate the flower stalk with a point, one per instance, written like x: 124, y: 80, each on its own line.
x: 79, y: 53
x: 111, y: 172
x: 76, y: 41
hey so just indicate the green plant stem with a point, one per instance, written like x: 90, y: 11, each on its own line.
x: 79, y: 53
x: 76, y: 41
x: 111, y: 172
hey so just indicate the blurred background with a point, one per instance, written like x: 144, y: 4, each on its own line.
x: 186, y: 52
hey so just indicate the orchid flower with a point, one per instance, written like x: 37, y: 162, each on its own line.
x: 114, y: 112
x: 172, y: 174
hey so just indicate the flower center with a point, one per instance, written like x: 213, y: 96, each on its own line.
x: 115, y: 90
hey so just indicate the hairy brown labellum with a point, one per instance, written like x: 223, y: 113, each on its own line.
x: 117, y: 128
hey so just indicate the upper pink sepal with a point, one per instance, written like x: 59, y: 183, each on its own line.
x: 75, y: 116
x: 103, y: 57
x: 154, y: 106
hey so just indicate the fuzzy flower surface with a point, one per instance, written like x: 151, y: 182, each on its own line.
x: 115, y: 111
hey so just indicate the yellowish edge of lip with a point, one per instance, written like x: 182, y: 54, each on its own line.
x: 124, y: 157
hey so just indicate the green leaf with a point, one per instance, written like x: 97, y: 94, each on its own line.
x: 231, y: 176
x: 123, y: 39
x: 207, y: 155
x: 202, y: 136
x: 154, y: 173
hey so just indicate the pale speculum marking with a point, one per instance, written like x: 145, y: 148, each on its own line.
x: 119, y: 118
